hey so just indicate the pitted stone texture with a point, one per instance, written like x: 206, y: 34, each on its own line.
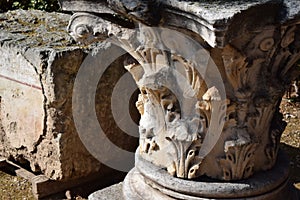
x: 38, y: 66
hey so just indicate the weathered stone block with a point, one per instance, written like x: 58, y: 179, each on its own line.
x: 38, y: 67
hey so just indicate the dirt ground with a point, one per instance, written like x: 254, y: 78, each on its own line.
x: 290, y: 140
x: 16, y: 188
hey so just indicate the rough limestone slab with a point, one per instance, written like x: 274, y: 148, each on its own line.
x: 38, y: 66
x: 113, y: 192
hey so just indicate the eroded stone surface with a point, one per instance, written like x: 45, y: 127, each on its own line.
x: 38, y: 66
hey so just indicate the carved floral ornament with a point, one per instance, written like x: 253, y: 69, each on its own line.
x: 189, y: 124
x: 176, y: 103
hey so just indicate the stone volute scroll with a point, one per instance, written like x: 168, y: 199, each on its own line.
x: 211, y: 76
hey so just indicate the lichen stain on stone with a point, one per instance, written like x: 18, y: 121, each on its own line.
x: 35, y: 28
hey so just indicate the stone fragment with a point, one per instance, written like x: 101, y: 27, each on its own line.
x: 38, y: 67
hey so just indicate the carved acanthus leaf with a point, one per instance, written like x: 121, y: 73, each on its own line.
x: 276, y: 130
x: 239, y: 161
x: 186, y: 161
x: 235, y: 67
